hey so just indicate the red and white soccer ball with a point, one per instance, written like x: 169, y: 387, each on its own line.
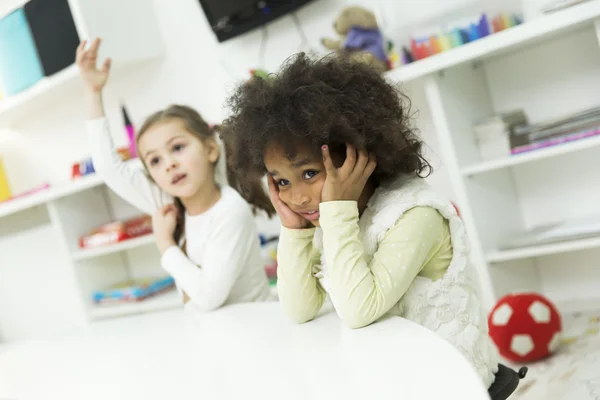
x: 525, y: 327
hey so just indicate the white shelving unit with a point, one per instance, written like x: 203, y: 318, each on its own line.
x: 64, y: 212
x: 508, y: 41
x: 74, y: 208
x: 493, y: 165
x: 114, y: 248
x: 39, y: 93
x: 127, y: 44
x: 548, y: 67
x: 45, y: 196
x: 500, y: 256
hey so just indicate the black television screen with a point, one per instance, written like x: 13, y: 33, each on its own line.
x: 230, y: 18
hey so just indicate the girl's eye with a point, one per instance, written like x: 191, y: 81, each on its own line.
x: 178, y: 147
x: 154, y: 161
x: 283, y: 182
x: 310, y: 173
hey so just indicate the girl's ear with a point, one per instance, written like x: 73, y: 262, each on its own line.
x: 212, y: 148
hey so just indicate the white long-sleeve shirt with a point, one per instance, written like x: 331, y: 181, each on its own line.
x: 223, y: 264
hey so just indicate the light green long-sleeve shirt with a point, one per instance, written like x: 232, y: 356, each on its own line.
x: 418, y: 244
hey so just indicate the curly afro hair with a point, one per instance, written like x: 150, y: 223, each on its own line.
x: 312, y: 102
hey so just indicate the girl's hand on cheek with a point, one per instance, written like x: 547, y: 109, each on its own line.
x: 289, y: 219
x: 164, y: 223
x: 348, y: 181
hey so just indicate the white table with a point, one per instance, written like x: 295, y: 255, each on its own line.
x: 239, y: 352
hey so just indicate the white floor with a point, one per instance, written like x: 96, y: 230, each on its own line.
x: 573, y: 373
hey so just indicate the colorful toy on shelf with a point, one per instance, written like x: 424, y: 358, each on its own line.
x: 362, y: 39
x: 82, y: 168
x: 505, y: 21
x: 525, y: 327
x: 86, y: 166
x: 133, y: 291
x: 5, y: 193
x: 115, y: 232
x: 423, y: 47
x: 269, y: 252
x: 395, y: 59
x: 259, y: 73
x: 130, y: 132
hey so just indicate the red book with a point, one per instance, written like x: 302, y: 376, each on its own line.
x: 115, y: 232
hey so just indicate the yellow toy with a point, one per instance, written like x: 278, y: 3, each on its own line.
x: 4, y: 188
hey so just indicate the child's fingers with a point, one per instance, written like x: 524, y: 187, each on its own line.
x: 329, y: 167
x: 361, y: 163
x: 80, y: 49
x: 106, y: 66
x: 272, y: 185
x: 95, y: 46
x: 162, y: 211
x: 167, y: 209
x: 350, y: 161
x: 371, y: 165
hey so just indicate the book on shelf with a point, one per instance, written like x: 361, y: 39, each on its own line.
x: 553, y: 141
x: 115, y: 232
x: 581, y: 125
x: 578, y: 121
x: 133, y: 291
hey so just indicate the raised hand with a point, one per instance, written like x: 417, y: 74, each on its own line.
x: 93, y: 78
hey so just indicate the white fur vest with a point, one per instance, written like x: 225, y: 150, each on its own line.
x: 448, y: 306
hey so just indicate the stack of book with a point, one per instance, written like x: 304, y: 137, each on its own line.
x: 492, y: 135
x: 133, y: 291
x: 524, y: 138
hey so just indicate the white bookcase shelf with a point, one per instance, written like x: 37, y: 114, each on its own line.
x: 78, y: 206
x: 85, y: 254
x: 48, y: 195
x: 39, y: 93
x: 509, y: 40
x: 548, y: 67
x: 543, y: 250
x: 493, y: 165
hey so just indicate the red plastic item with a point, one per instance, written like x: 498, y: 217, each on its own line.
x: 116, y: 232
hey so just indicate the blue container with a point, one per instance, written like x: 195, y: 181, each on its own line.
x: 20, y: 66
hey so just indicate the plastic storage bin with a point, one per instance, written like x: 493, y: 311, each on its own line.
x: 54, y: 33
x: 20, y: 66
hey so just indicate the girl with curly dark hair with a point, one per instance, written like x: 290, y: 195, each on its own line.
x: 359, y: 223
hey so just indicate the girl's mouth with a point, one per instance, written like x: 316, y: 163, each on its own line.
x: 310, y: 215
x: 178, y: 178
